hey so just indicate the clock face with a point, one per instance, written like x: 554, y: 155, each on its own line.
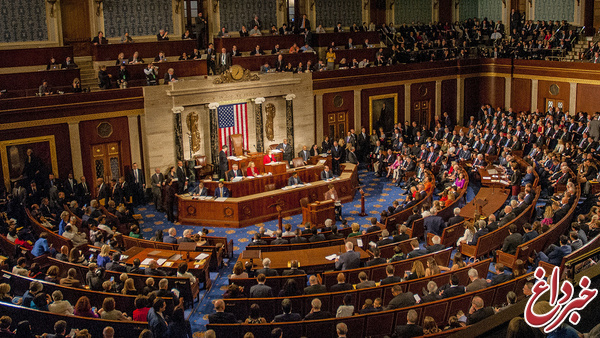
x: 237, y: 72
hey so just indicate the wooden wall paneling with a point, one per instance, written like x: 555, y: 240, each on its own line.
x: 520, y: 96
x: 61, y: 140
x: 77, y: 32
x: 544, y: 92
x: 342, y: 102
x: 449, y: 98
x: 588, y: 99
x: 483, y: 90
x: 420, y: 92
x: 366, y: 93
x: 89, y: 136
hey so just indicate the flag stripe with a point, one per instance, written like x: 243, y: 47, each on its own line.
x: 233, y: 119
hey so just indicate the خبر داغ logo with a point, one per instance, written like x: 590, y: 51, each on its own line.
x: 564, y: 307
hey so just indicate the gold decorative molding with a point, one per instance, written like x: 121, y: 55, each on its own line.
x: 228, y: 76
x: 70, y: 119
x: 379, y: 97
x: 29, y: 140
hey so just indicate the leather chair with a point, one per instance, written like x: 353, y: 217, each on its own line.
x: 203, y: 168
x: 273, y: 146
x: 237, y: 145
x: 297, y: 162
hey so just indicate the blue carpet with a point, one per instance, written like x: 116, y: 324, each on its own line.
x: 380, y: 192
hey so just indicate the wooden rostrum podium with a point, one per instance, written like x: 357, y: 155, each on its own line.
x: 317, y: 212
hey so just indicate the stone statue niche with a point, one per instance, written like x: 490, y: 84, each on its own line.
x: 269, y: 127
x: 192, y: 124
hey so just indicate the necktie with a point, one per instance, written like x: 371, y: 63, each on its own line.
x: 136, y: 175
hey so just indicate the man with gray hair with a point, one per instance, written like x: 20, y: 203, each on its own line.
x: 187, y: 237
x: 341, y: 330
x: 437, y: 244
x: 266, y: 270
x: 431, y: 294
x: 457, y: 218
x: 492, y: 223
x: 170, y: 238
x: 349, y: 259
x: 476, y: 282
x: 315, y: 312
x: 509, y: 215
x: 411, y: 329
x: 478, y: 312
x: 482, y: 230
x: 279, y: 240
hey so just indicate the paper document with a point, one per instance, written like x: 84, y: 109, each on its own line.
x: 331, y: 257
x: 220, y: 199
x: 201, y: 256
x: 168, y: 264
x: 371, y: 243
x: 161, y: 261
x: 146, y: 261
x: 486, y: 177
x: 269, y: 233
x: 359, y: 242
x: 154, y: 253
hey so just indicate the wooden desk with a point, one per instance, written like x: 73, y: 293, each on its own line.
x: 341, y: 39
x: 255, y: 62
x: 237, y: 212
x: 33, y: 56
x: 198, y: 269
x: 145, y: 49
x: 358, y: 53
x: 495, y: 198
x: 311, y: 260
x: 250, y: 186
x: 266, y: 42
x: 182, y: 69
x: 489, y: 180
x: 257, y: 158
x: 276, y: 168
x: 22, y: 84
x: 316, y: 159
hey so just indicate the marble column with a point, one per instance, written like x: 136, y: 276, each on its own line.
x: 507, y: 92
x: 534, y: 94
x: 572, y: 98
x: 214, y: 133
x: 407, y: 106
x: 438, y: 98
x: 460, y: 100
x: 178, y: 132
x: 289, y: 119
x: 134, y: 140
x: 76, y: 158
x: 258, y: 116
x: 319, y: 118
x: 357, y: 111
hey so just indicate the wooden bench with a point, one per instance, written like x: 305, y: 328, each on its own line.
x: 27, y: 83
x: 10, y: 249
x: 377, y: 272
x: 296, y: 246
x: 276, y: 283
x: 525, y: 250
x: 375, y: 324
x: 43, y: 322
x: 332, y: 300
x: 494, y: 240
x: 24, y: 57
x: 146, y: 50
x: 137, y: 77
x: 387, y: 251
x: 588, y: 247
x: 55, y: 239
x: 392, y: 221
x: 450, y: 235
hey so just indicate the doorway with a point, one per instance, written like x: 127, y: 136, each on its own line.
x: 337, y: 124
x: 191, y: 8
x: 378, y: 8
x: 106, y: 161
x: 76, y: 32
x: 553, y: 103
x: 422, y: 112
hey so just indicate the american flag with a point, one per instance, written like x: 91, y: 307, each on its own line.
x: 233, y: 119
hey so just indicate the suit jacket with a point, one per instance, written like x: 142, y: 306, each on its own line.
x: 501, y: 278
x: 261, y: 291
x: 315, y: 289
x: 507, y: 218
x: 454, y: 220
x: 391, y: 280
x: 453, y: 291
x: 416, y: 253
x: 555, y: 257
x: 294, y: 180
x: 326, y: 175
x: 477, y: 284
x: 305, y: 154
x: 341, y: 287
x: 348, y: 260
x: 279, y: 241
x: 365, y: 284
x: 478, y: 234
x: 287, y: 317
x: 529, y: 236
x: 435, y: 247
x: 233, y: 173
x: 267, y: 272
x: 298, y: 240
x: 104, y: 193
x: 292, y: 272
x: 223, y: 165
x: 352, y: 158
x: 434, y: 224
x: 407, y: 331
x: 402, y: 300
x: 376, y: 261
x: 168, y: 78
x: 287, y: 151
x: 227, y: 62
x: 222, y: 318
x: 479, y: 315
x: 156, y: 180
x: 225, y: 192
x: 511, y: 242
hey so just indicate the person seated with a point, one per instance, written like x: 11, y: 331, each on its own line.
x: 341, y: 284
x: 298, y: 238
x: 220, y: 316
x: 416, y: 250
x: 69, y: 63
x: 244, y: 32
x: 255, y: 31
x: 222, y: 190
x: 161, y: 57
x: 475, y: 283
x: 99, y: 39
x: 314, y: 286
x: 401, y: 299
x: 554, y: 254
x: 266, y: 270
x: 71, y: 280
x: 170, y: 76
x: 411, y: 328
x: 257, y: 240
x: 478, y: 312
x: 276, y: 49
x: 294, y: 49
x: 234, y: 172
x: 452, y: 289
x: 135, y: 59
x: 265, y: 69
x: 223, y: 33
x: 279, y: 240
x: 261, y: 290
x: 436, y: 246
x: 315, y: 311
x: 501, y: 275
x: 326, y: 174
x: 384, y: 239
x: 162, y: 35
x: 316, y: 237
x: 184, y: 57
x: 294, y: 179
x: 257, y: 51
x: 293, y: 270
x: 126, y: 38
x: 364, y: 283
x: 512, y: 241
x: 186, y: 35
x: 287, y: 315
x: 44, y: 89
x: 306, y: 49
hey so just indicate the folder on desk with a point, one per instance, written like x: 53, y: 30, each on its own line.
x: 154, y: 253
x: 220, y: 199
x: 201, y: 256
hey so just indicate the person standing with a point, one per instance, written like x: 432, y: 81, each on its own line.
x: 138, y: 184
x: 201, y: 25
x: 157, y: 181
x: 169, y: 202
x: 223, y: 165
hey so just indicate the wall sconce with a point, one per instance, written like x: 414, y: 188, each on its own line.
x: 366, y: 4
x: 98, y: 5
x: 215, y: 6
x: 504, y: 3
x: 51, y: 3
x: 456, y: 4
x: 312, y: 5
x: 178, y: 3
x: 281, y: 4
x: 392, y: 3
x: 436, y: 4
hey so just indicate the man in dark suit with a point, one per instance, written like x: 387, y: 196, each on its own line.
x: 457, y: 218
x: 478, y: 312
x: 257, y: 240
x: 326, y: 174
x: 436, y: 246
x: 137, y: 183
x: 401, y: 299
x: 211, y: 58
x: 156, y: 181
x: 234, y: 172
x: 221, y: 190
x: 411, y: 329
x: 287, y: 315
x: 286, y: 149
x: 482, y: 230
x: 336, y: 156
x: 554, y: 254
x: 341, y: 284
x: 279, y: 240
x: 316, y: 237
x: 223, y: 165
x: 453, y: 289
x: 348, y: 260
x: 182, y: 179
x: 376, y: 257
x: 529, y: 233
x: 171, y: 237
x: 103, y: 191
x: 501, y: 275
x: 298, y: 238
x: 293, y: 270
x: 384, y: 239
x: 434, y: 224
x: 224, y: 61
x: 334, y: 234
x: 416, y: 250
x: 70, y: 187
x: 314, y: 286
x: 261, y: 290
x: 116, y: 265
x: 220, y: 316
x: 83, y: 192
x: 266, y: 270
x: 303, y: 23
x: 512, y: 241
x: 373, y: 227
x: 294, y: 179
x: 352, y: 158
x: 304, y: 154
x: 390, y: 278
x: 509, y: 215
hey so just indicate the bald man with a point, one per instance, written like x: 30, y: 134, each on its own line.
x: 220, y: 316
